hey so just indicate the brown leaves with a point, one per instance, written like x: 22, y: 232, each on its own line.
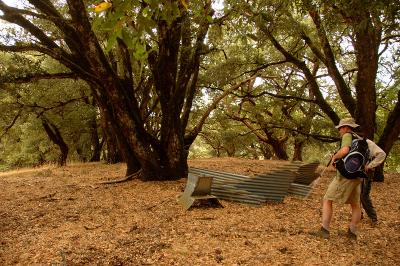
x: 135, y: 223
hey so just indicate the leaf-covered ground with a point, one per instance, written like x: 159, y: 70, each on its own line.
x: 62, y: 216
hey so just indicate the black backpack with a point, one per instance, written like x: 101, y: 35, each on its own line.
x: 353, y: 164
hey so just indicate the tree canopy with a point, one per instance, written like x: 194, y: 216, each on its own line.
x: 282, y: 72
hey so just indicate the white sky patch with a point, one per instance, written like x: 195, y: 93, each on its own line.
x: 13, y: 3
x: 258, y: 81
x: 218, y: 5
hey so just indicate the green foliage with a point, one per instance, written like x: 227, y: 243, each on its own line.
x: 66, y: 103
x: 393, y: 159
x: 134, y: 22
x: 26, y: 145
x: 236, y: 47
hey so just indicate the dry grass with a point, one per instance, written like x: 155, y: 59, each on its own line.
x: 61, y: 216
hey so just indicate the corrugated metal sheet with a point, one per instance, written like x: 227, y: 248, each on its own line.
x: 300, y: 190
x: 304, y: 181
x: 197, y: 187
x: 217, y: 174
x: 231, y: 193
x: 256, y: 190
x: 306, y: 173
x: 223, y: 186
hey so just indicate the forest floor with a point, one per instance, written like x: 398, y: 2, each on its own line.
x: 63, y: 216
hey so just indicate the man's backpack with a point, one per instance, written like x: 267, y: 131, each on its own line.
x: 353, y: 164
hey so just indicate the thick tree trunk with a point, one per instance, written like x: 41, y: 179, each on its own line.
x: 390, y: 134
x: 174, y: 164
x: 279, y: 149
x: 366, y: 45
x: 230, y: 151
x: 117, y: 135
x: 55, y: 136
x: 298, y: 150
x: 157, y: 150
x: 277, y: 144
x: 96, y: 146
x: 111, y: 153
x: 266, y: 151
x: 230, y: 148
x: 82, y: 156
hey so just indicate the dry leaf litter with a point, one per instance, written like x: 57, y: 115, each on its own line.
x: 62, y: 216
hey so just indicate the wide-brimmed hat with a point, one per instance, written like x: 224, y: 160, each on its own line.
x: 347, y: 122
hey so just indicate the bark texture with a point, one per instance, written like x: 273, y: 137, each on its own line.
x: 146, y: 114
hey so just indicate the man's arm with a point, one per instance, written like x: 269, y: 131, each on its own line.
x: 345, y: 148
x: 377, y: 155
x: 341, y: 153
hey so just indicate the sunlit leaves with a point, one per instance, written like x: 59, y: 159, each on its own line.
x: 134, y: 22
x: 102, y: 7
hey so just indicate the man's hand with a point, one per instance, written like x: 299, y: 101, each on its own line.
x: 368, y: 168
x: 332, y: 165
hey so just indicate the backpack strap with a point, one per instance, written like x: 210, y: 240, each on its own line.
x: 356, y: 136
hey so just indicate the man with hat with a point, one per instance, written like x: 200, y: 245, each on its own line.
x: 341, y: 189
x: 376, y: 157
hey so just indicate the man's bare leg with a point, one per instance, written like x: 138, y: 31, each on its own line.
x: 326, y: 213
x: 355, y: 217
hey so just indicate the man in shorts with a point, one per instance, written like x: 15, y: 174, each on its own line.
x: 341, y: 189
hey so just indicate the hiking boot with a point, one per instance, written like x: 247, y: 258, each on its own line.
x: 322, y: 232
x: 351, y: 235
x: 374, y: 222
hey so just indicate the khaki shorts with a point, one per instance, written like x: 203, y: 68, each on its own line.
x: 344, y: 190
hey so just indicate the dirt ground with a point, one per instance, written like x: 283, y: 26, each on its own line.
x: 62, y: 216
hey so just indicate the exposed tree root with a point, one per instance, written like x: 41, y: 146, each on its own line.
x: 124, y: 179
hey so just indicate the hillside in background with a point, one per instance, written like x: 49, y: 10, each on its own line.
x: 63, y: 216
